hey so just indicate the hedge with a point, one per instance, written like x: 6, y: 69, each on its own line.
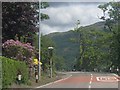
x: 10, y: 69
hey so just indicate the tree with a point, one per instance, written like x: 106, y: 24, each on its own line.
x: 101, y: 47
x: 19, y: 19
x: 44, y: 5
x: 113, y: 25
x: 45, y: 43
x: 94, y: 48
x: 59, y: 63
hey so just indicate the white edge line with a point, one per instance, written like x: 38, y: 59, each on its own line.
x: 116, y: 75
x: 62, y: 79
x: 53, y: 82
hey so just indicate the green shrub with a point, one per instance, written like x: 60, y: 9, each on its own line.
x: 10, y: 69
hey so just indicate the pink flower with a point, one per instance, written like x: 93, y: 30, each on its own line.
x: 23, y: 51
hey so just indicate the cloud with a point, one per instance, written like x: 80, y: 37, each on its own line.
x: 46, y: 29
x: 63, y: 17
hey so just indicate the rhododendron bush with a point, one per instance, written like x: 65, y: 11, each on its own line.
x: 19, y: 51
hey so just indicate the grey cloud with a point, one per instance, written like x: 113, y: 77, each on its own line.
x: 46, y: 29
x: 61, y: 4
x: 63, y: 18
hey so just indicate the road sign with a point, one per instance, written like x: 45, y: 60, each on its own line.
x: 35, y: 62
x: 40, y: 63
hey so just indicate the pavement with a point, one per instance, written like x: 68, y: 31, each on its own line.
x: 86, y: 80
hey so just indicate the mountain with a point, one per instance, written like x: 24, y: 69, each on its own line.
x: 67, y: 48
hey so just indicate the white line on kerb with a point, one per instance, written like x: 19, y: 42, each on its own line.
x: 53, y: 82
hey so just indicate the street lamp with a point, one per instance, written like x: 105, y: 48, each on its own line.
x: 50, y: 54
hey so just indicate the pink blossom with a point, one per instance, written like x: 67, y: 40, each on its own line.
x: 20, y: 52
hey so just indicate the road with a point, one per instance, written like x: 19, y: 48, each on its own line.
x: 89, y: 80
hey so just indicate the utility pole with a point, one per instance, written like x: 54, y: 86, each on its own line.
x: 39, y: 38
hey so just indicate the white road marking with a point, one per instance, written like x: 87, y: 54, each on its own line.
x: 90, y: 82
x: 91, y: 78
x: 62, y: 79
x: 107, y: 79
x: 53, y: 82
x: 116, y: 76
x: 89, y: 87
x: 97, y: 78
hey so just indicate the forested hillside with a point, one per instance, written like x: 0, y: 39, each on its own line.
x: 67, y: 46
x: 93, y: 47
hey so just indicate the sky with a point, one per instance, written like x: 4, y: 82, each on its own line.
x: 64, y: 15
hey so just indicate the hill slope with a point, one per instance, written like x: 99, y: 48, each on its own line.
x: 68, y: 49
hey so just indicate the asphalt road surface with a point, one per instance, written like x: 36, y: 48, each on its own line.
x: 88, y: 80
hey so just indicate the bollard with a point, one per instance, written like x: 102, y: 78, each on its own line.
x: 36, y: 77
x: 36, y: 73
x: 117, y: 70
x: 19, y: 77
x: 110, y: 69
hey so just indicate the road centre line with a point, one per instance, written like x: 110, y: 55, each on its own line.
x: 89, y: 87
x: 90, y: 82
x: 53, y: 82
x: 91, y: 78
